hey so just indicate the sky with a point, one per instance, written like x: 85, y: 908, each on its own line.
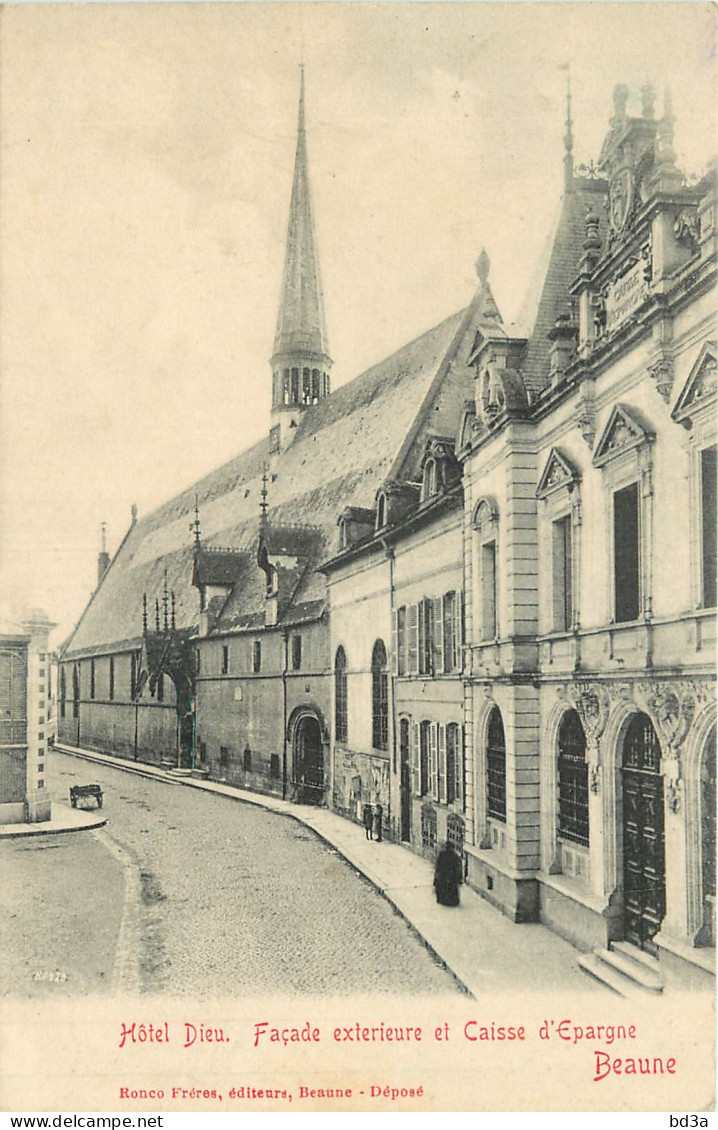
x: 146, y: 156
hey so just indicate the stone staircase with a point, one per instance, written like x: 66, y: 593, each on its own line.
x: 624, y: 969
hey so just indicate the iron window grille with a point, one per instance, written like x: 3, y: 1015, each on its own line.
x: 428, y: 827
x: 572, y: 780
x: 379, y: 697
x: 496, y: 767
x: 341, y: 712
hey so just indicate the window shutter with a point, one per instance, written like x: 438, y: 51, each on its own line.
x: 441, y: 790
x: 458, y: 630
x: 460, y: 763
x: 415, y: 766
x: 394, y: 642
x: 438, y: 636
x: 413, y: 639
x: 433, y: 762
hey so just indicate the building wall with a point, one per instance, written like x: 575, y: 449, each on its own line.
x: 360, y: 598
x: 660, y: 664
x: 242, y: 709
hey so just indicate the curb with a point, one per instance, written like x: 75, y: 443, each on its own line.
x: 259, y: 802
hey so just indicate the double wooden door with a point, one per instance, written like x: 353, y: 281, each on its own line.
x: 644, y: 859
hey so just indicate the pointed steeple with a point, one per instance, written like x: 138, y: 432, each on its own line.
x: 301, y: 361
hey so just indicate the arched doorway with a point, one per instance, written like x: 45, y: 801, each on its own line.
x: 308, y: 761
x: 644, y: 862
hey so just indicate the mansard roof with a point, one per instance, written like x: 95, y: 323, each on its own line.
x: 345, y: 448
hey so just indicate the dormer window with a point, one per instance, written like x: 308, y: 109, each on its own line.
x: 430, y: 481
x: 381, y: 511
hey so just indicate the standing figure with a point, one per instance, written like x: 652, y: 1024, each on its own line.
x: 447, y: 876
x: 378, y: 811
x: 368, y: 821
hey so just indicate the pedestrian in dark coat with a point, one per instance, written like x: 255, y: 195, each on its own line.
x: 368, y: 821
x: 447, y: 876
x: 377, y: 821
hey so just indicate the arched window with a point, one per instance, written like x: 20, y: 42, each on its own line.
x: 341, y: 712
x: 496, y: 767
x: 379, y: 697
x: 572, y: 780
x: 429, y: 485
x: 381, y: 511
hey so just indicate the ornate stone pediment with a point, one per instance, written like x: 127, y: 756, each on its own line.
x: 557, y: 473
x: 622, y: 433
x: 700, y: 388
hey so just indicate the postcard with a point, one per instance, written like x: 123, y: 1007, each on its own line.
x: 357, y: 671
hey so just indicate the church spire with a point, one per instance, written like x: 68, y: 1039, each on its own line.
x: 301, y: 361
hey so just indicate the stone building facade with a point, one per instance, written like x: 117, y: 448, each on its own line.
x: 589, y: 487
x: 25, y: 697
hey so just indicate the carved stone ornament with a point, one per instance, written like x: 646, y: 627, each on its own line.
x: 620, y: 198
x: 686, y: 228
x: 594, y: 780
x: 674, y: 795
x: 671, y: 706
x: 591, y: 702
x: 586, y: 420
x: 661, y: 371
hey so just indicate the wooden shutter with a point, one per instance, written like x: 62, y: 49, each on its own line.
x: 441, y: 760
x: 394, y: 642
x: 433, y: 762
x: 458, y: 629
x: 415, y: 762
x: 461, y: 765
x: 438, y: 636
x: 413, y: 632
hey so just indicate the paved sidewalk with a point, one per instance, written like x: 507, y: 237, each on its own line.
x: 62, y: 819
x: 484, y: 950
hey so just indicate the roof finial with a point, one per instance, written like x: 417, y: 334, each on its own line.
x: 195, y: 526
x: 263, y: 503
x: 133, y: 512
x: 483, y: 264
x: 568, y: 136
x: 144, y: 613
x: 165, y: 603
x: 157, y: 613
x: 174, y: 610
x: 103, y: 528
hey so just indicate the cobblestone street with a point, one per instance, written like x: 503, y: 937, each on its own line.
x: 223, y: 898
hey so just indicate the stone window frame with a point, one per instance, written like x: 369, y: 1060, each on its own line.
x: 696, y: 413
x: 485, y: 523
x: 341, y: 696
x: 622, y: 466
x: 559, y: 490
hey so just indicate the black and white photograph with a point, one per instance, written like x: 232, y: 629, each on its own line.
x: 358, y: 556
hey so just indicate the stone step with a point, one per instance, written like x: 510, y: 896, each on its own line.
x: 647, y: 960
x: 634, y: 970
x: 609, y: 977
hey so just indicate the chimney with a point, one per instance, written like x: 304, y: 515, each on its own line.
x: 103, y: 557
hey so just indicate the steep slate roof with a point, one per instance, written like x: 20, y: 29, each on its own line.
x: 344, y: 448
x: 560, y: 271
